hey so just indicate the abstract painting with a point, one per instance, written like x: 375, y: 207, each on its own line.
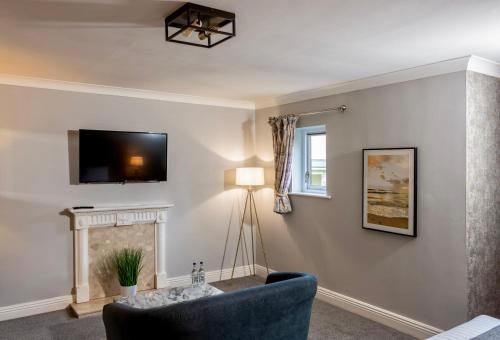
x: 389, y: 190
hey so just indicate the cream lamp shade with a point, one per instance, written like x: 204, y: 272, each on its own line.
x: 249, y: 176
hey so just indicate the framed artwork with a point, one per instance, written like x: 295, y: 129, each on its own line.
x: 390, y: 190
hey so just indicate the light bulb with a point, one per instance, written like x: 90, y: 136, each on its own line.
x: 189, y: 31
x: 203, y: 35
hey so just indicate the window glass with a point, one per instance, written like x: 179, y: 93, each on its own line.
x: 318, y: 161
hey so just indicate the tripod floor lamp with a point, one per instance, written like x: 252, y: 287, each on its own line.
x: 250, y: 178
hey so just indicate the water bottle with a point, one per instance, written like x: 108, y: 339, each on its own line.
x: 194, y: 276
x: 201, y: 275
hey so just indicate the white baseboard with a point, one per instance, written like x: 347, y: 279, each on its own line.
x: 210, y: 276
x: 35, y: 307
x: 399, y: 322
x: 383, y: 316
x: 402, y: 323
x: 61, y: 302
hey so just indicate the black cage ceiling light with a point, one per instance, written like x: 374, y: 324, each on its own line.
x: 198, y: 25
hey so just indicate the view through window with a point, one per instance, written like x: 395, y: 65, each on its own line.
x: 316, y: 161
x: 315, y: 176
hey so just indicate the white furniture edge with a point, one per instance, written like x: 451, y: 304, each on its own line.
x: 470, y: 329
x: 61, y: 85
x: 61, y: 302
x: 117, y: 216
x: 399, y: 322
x: 471, y: 63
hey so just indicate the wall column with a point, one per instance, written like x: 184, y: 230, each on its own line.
x: 81, y: 235
x: 483, y: 191
x: 161, y: 251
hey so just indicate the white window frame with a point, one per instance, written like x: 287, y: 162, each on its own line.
x: 302, y: 162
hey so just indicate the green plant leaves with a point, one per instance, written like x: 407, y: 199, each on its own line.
x: 127, y: 263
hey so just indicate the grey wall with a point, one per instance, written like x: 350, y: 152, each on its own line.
x: 423, y: 278
x: 483, y: 194
x: 36, y: 245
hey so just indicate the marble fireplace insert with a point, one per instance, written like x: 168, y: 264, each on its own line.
x: 99, y: 230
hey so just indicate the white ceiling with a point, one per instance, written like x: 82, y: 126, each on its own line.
x: 282, y: 46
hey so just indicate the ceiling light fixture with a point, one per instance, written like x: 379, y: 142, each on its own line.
x: 212, y: 26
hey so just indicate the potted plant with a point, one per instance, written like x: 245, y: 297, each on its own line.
x: 127, y: 263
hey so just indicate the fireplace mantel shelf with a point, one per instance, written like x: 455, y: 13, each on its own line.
x: 116, y: 216
x: 121, y: 207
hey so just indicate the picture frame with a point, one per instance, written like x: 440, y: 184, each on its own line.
x: 390, y: 190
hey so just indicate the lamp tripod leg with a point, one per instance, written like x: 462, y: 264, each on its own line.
x: 227, y: 239
x: 251, y: 230
x: 244, y: 240
x: 239, y: 236
x: 252, y: 201
x: 246, y: 251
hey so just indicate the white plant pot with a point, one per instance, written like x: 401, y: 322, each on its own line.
x: 128, y: 291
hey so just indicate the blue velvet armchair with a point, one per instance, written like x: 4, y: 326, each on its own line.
x: 278, y: 310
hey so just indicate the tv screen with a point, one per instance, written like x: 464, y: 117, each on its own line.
x: 119, y: 157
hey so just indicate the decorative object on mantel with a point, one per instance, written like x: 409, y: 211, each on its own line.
x: 117, y: 216
x: 250, y: 177
x: 211, y: 26
x: 127, y: 263
x: 390, y: 190
x: 283, y: 130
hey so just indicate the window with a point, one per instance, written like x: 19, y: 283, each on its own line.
x: 309, y: 162
x: 315, y: 175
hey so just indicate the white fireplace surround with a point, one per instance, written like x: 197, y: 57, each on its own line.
x: 117, y: 216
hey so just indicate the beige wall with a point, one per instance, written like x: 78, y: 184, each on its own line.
x: 36, y: 245
x: 423, y: 278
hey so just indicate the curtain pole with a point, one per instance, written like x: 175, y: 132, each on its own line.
x: 341, y: 109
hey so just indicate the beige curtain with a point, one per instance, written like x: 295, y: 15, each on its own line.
x: 283, y: 128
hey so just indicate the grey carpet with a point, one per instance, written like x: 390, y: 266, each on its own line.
x: 327, y: 322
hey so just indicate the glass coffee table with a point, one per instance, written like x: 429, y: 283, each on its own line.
x: 168, y: 296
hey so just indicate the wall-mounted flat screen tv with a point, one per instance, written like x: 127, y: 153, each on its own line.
x: 120, y: 157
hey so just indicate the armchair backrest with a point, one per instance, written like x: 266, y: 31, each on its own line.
x: 278, y: 310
